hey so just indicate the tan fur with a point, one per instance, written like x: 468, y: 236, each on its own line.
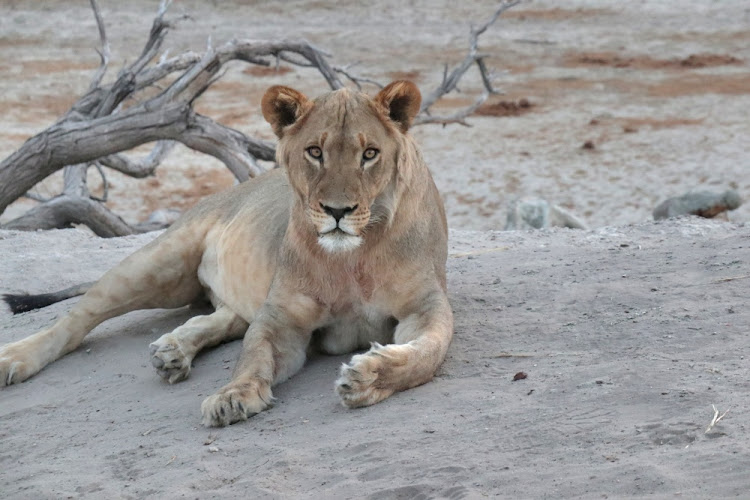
x: 341, y: 252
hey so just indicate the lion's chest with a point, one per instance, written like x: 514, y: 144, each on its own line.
x: 354, y: 327
x: 355, y: 314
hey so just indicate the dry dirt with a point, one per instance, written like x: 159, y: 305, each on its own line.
x: 627, y: 336
x: 628, y: 333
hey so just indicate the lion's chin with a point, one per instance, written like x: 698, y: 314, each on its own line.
x: 337, y: 241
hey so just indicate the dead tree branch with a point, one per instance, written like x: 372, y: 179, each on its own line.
x: 66, y: 210
x: 458, y: 117
x: 104, y: 53
x: 451, y: 79
x: 105, y: 184
x: 139, y: 168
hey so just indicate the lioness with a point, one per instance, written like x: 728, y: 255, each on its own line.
x: 343, y: 248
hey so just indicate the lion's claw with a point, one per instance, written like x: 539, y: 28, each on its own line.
x: 170, y: 360
x: 14, y: 366
x: 236, y: 402
x: 360, y: 382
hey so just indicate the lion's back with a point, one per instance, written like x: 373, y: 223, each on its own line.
x: 265, y: 199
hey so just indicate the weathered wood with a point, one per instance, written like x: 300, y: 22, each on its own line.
x: 451, y: 79
x: 65, y: 210
x: 140, y: 168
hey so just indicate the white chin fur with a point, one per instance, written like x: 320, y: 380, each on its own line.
x: 337, y: 241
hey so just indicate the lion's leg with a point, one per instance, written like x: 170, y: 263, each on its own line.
x: 160, y: 275
x: 421, y: 340
x: 274, y: 349
x: 172, y: 354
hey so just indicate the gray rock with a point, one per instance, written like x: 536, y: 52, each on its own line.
x: 701, y: 203
x: 536, y: 213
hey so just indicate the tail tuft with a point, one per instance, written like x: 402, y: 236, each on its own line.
x: 25, y: 302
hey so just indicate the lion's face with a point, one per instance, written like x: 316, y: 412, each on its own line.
x: 341, y: 152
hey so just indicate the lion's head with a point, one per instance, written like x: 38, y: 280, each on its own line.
x: 344, y: 153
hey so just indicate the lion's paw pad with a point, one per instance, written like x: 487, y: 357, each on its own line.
x: 15, y: 365
x: 236, y: 403
x: 12, y: 372
x: 169, y: 359
x: 359, y: 382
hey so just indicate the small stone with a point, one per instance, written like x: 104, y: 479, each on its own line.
x: 705, y: 204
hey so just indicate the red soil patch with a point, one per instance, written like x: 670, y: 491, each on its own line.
x: 18, y: 41
x: 38, y: 108
x: 712, y: 36
x: 234, y: 118
x: 15, y: 138
x: 231, y: 102
x: 261, y: 71
x: 683, y: 85
x: 404, y: 75
x: 708, y: 60
x: 517, y: 68
x: 736, y: 84
x: 555, y: 14
x: 633, y: 124
x: 232, y: 87
x: 205, y: 182
x: 613, y: 60
x: 505, y: 108
x: 55, y: 66
x: 455, y: 102
x: 545, y: 88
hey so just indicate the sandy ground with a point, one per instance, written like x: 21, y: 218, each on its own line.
x: 628, y: 333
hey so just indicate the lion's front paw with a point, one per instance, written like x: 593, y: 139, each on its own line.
x: 363, y: 381
x: 236, y: 402
x: 15, y: 364
x: 169, y: 358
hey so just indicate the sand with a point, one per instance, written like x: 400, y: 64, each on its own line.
x: 628, y: 333
x: 627, y: 336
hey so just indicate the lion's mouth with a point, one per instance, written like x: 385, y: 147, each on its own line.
x: 337, y: 240
x: 335, y: 230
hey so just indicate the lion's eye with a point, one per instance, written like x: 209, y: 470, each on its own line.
x: 315, y: 152
x: 370, y: 153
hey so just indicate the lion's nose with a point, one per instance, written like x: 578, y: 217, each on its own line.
x: 338, y: 213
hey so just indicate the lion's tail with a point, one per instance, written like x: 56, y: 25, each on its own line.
x: 19, y: 303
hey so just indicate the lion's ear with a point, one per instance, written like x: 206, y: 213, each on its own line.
x: 401, y: 99
x: 283, y: 106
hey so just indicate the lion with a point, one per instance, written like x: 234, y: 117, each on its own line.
x: 341, y: 249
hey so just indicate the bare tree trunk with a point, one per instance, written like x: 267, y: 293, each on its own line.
x: 68, y: 143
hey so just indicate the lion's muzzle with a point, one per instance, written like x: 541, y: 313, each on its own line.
x: 338, y: 228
